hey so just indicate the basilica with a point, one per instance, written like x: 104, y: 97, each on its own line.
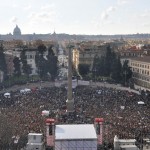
x: 17, y: 35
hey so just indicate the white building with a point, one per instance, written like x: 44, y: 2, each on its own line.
x: 124, y: 144
x: 30, y: 54
x: 141, y: 72
x: 35, y: 141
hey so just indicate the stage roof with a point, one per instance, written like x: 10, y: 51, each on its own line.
x: 75, y: 132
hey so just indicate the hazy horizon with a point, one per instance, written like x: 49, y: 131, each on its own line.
x: 109, y: 17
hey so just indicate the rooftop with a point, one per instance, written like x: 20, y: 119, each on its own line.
x: 75, y: 131
x: 142, y: 59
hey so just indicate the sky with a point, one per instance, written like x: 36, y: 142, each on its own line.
x: 91, y: 17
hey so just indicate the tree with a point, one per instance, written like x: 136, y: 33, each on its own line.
x: 116, y: 70
x: 98, y: 65
x: 108, y: 61
x: 126, y: 72
x: 83, y: 69
x: 108, y: 66
x: 3, y: 65
x: 41, y: 49
x: 52, y: 63
x: 17, y: 69
x: 27, y: 70
x: 41, y: 62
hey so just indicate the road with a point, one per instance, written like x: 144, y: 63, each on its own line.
x: 29, y: 85
x: 116, y: 86
x: 50, y: 84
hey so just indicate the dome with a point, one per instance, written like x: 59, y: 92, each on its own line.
x: 17, y: 31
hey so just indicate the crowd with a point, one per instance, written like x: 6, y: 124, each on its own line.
x: 123, y: 116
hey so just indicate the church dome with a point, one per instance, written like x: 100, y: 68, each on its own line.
x: 17, y: 31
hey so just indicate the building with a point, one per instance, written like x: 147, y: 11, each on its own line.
x: 131, y: 53
x: 75, y: 58
x: 16, y: 31
x: 75, y: 137
x: 141, y: 71
x: 86, y: 53
x: 35, y: 142
x: 11, y: 44
x: 30, y: 55
x: 124, y: 144
x: 72, y: 136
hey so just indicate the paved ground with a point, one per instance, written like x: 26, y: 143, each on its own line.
x: 29, y: 85
x: 116, y: 86
x: 49, y: 84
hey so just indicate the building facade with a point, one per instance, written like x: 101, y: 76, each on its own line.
x: 87, y: 54
x: 75, y: 58
x: 141, y: 71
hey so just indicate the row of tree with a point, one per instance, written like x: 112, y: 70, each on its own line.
x: 108, y: 66
x: 48, y: 65
x: 45, y: 65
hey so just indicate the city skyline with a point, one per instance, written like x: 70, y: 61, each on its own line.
x: 76, y: 17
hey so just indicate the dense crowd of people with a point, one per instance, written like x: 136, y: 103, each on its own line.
x: 123, y: 116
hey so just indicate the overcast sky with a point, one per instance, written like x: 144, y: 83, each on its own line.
x: 75, y: 16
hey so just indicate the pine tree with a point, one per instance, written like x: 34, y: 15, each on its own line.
x: 126, y: 72
x: 83, y: 69
x: 108, y: 61
x: 3, y: 65
x: 17, y: 66
x: 52, y: 63
x: 41, y: 62
x: 116, y: 70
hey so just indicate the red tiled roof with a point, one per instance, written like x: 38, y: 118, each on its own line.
x: 142, y: 59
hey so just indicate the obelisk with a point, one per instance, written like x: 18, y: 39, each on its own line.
x: 70, y: 100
